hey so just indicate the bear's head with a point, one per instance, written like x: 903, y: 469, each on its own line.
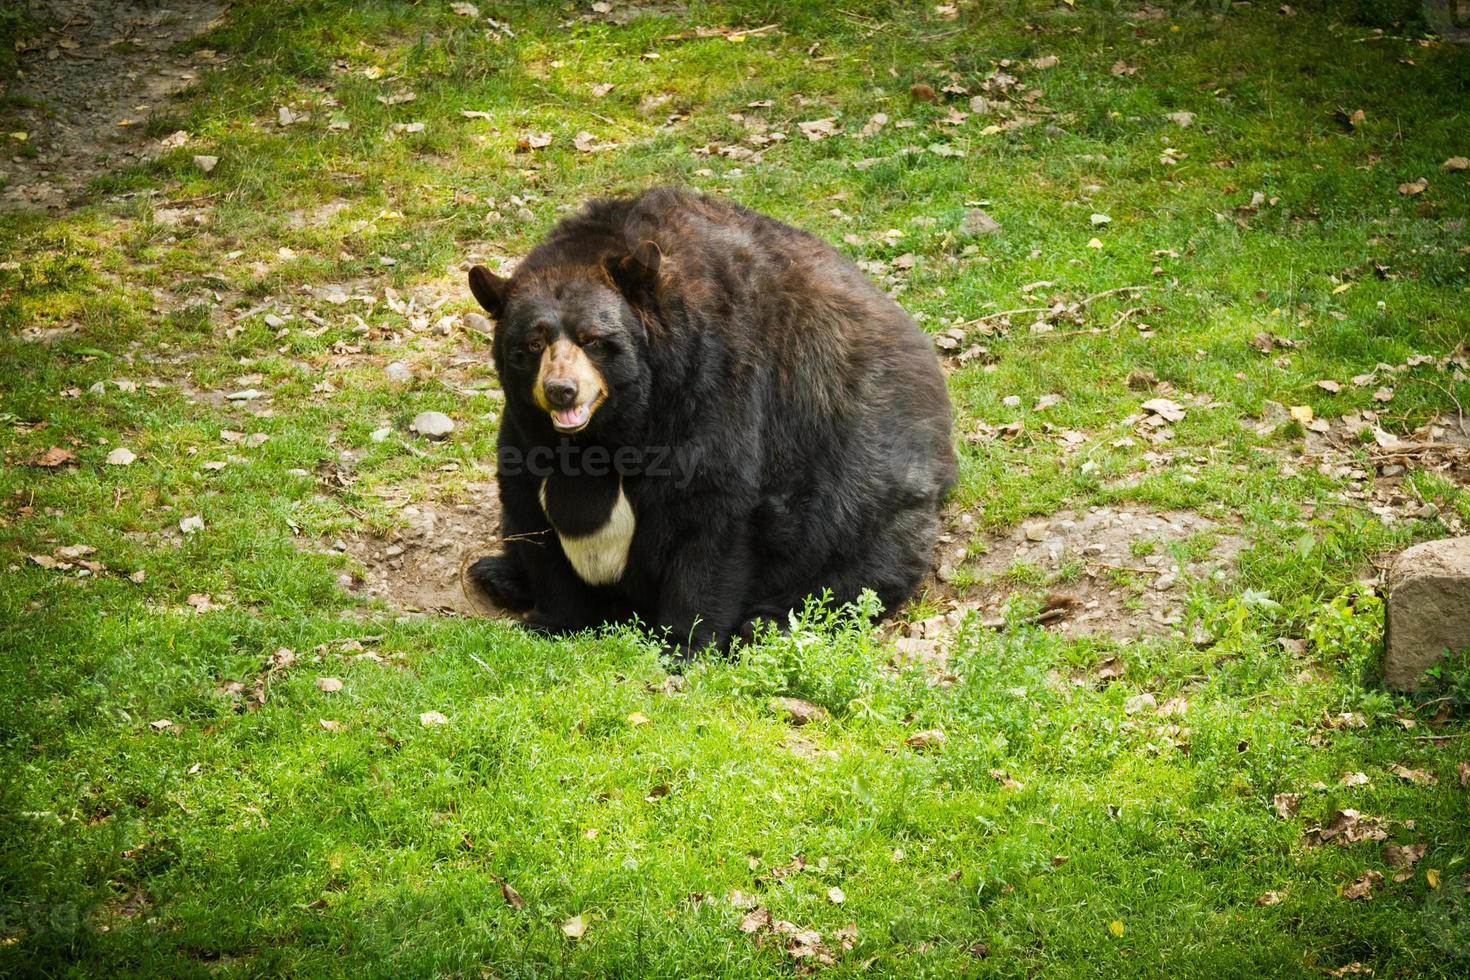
x: 571, y: 337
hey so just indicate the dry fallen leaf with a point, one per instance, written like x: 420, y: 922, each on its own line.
x: 191, y: 524
x: 574, y: 928
x: 755, y: 920
x: 836, y: 895
x: 1170, y: 411
x: 533, y: 141
x: 1416, y: 776
x: 797, y: 711
x: 930, y: 738
x: 328, y: 684
x: 432, y: 718
x: 1403, y: 855
x: 1270, y: 898
x: 512, y: 896
x: 639, y: 718
x: 1354, y: 779
x: 1346, y: 827
x: 1414, y: 187
x: 1463, y: 768
x: 873, y: 125
x: 54, y: 457
x: 1302, y: 413
x: 1004, y: 778
x: 1383, y: 395
x: 160, y: 724
x: 121, y: 456
x: 1328, y: 385
x: 818, y: 129
x: 1457, y: 163
x: 1362, y: 886
x: 1117, y: 928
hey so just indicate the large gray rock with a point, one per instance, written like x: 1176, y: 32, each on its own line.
x: 1428, y: 609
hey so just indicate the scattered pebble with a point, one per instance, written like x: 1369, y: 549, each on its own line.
x: 432, y: 425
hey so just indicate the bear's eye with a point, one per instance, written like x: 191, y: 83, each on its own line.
x: 595, y: 343
x: 535, y: 345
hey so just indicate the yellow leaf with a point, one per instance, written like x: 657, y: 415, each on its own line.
x: 1095, y: 243
x: 1344, y: 287
x: 1302, y: 413
x: 574, y: 928
x: 21, y: 135
x: 639, y: 718
x: 1116, y: 928
x: 1432, y: 876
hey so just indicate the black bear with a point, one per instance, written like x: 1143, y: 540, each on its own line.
x: 709, y: 416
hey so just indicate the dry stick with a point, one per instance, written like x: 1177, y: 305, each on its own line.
x: 1127, y: 568
x: 1086, y: 300
x: 1413, y: 448
x: 1459, y: 409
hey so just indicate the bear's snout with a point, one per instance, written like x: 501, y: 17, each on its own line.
x: 560, y: 392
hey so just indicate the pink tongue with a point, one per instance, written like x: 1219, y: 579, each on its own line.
x: 569, y: 418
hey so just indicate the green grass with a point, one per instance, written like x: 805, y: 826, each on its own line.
x: 261, y: 842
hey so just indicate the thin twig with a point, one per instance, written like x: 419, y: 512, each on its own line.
x: 1459, y: 409
x: 1080, y: 304
x: 1128, y: 568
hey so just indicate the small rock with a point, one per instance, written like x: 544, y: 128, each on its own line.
x: 977, y: 222
x: 479, y: 323
x: 191, y: 524
x: 398, y: 371
x: 1035, y: 531
x: 797, y: 711
x: 249, y: 394
x: 1140, y: 702
x: 121, y: 456
x: 379, y: 435
x: 328, y: 685
x: 432, y: 425
x: 206, y: 163
x: 1183, y: 118
x: 1428, y: 609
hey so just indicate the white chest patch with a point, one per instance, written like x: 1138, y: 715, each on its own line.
x: 601, y: 556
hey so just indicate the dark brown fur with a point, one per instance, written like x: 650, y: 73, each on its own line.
x: 814, y: 406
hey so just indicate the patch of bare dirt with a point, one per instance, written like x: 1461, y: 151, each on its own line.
x: 418, y: 567
x: 93, y: 77
x: 1121, y: 572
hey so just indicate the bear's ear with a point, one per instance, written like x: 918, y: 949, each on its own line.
x: 635, y: 274
x: 490, y: 289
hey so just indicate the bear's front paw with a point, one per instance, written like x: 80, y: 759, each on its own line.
x: 502, y: 579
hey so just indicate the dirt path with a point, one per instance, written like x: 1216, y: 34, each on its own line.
x: 92, y: 78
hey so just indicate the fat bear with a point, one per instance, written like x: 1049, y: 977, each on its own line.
x: 709, y: 416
